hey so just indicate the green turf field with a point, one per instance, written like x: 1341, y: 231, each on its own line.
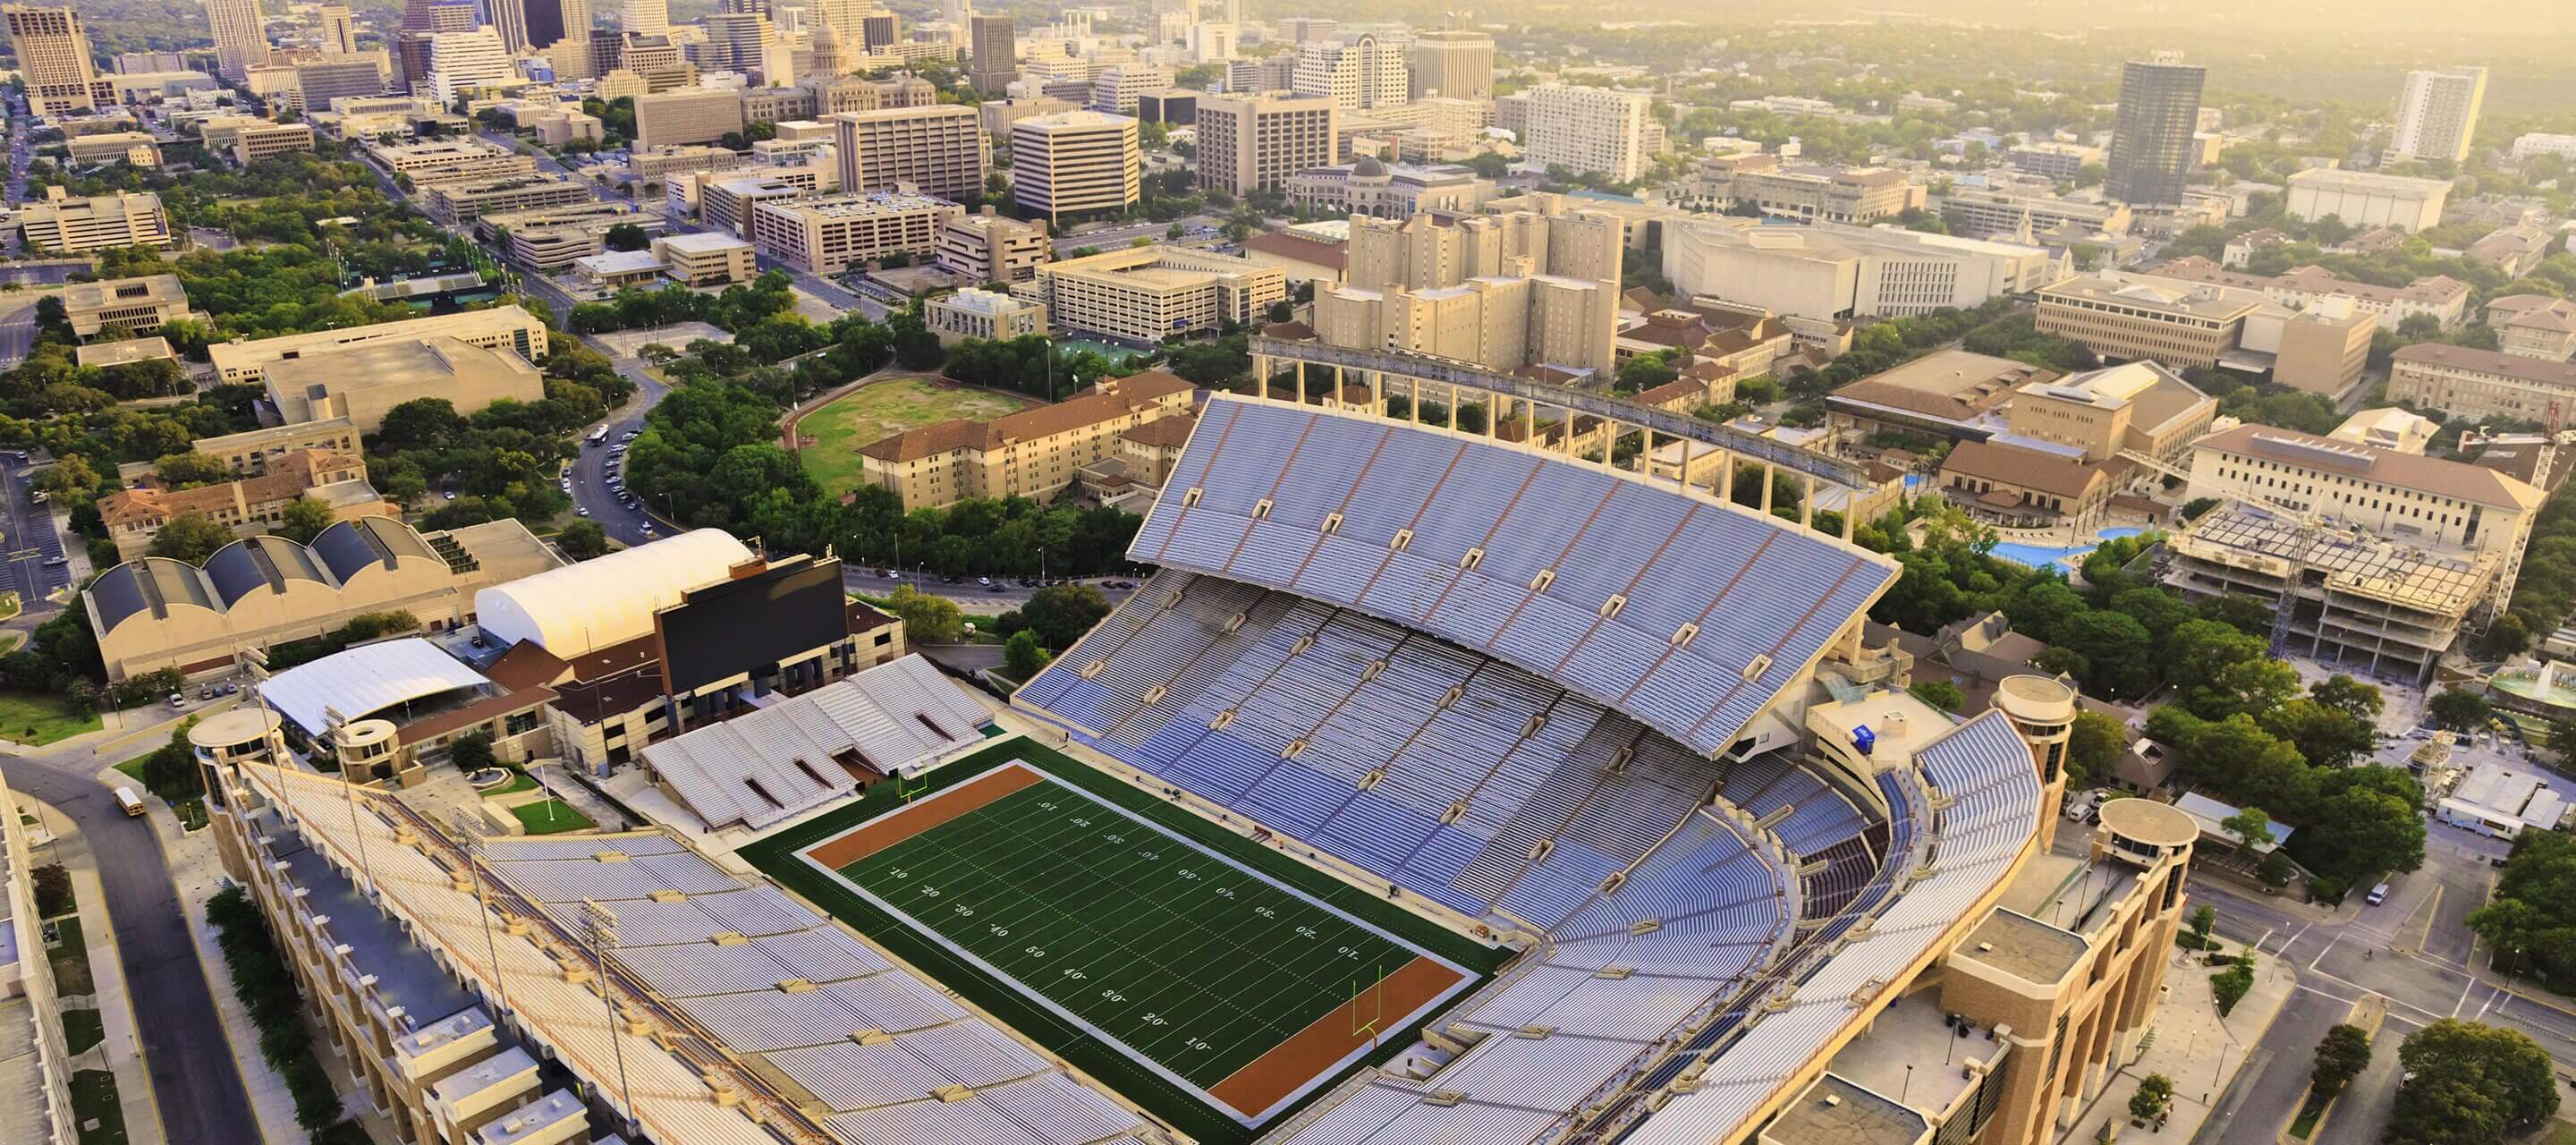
x: 1185, y: 1107
x: 1187, y: 960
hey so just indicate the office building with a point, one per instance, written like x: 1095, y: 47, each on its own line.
x: 993, y: 52
x: 2534, y: 326
x: 53, y: 58
x: 2470, y: 383
x: 466, y: 200
x: 1142, y: 295
x: 1032, y: 453
x: 339, y: 33
x: 727, y: 204
x: 153, y: 613
x: 248, y: 506
x: 2137, y: 408
x: 1989, y: 212
x: 2172, y: 324
x: 1527, y: 288
x: 1115, y: 89
x: 1830, y: 271
x: 1589, y: 129
x: 701, y: 259
x: 361, y: 382
x: 138, y: 148
x: 1451, y: 63
x: 745, y: 42
x: 1075, y: 163
x: 549, y: 240
x: 699, y: 115
x: 2049, y: 159
x: 123, y: 304
x: 978, y: 313
x: 257, y: 141
x: 1274, y: 72
x: 835, y: 233
x: 2535, y: 143
x: 437, y: 161
x: 645, y: 17
x: 144, y: 63
x: 2441, y: 298
x: 1356, y: 74
x: 2366, y: 199
x: 240, y: 41
x: 66, y: 225
x: 1176, y: 107
x: 460, y: 62
x: 242, y: 362
x: 991, y: 247
x: 2380, y: 552
x: 2150, y: 159
x: 1950, y: 395
x: 940, y: 149
x: 1258, y: 140
x: 1213, y: 43
x: 316, y: 85
x: 1803, y: 192
x: 2437, y: 114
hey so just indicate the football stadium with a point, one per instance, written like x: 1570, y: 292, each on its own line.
x: 1439, y: 787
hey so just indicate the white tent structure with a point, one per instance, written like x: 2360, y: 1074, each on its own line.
x: 363, y: 680
x: 578, y: 609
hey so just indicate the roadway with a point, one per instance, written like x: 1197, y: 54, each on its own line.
x: 34, y: 563
x: 2415, y: 950
x: 195, y: 1079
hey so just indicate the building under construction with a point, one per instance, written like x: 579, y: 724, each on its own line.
x: 2343, y: 597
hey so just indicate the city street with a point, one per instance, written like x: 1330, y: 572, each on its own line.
x: 196, y: 1083
x: 590, y: 470
x: 34, y: 560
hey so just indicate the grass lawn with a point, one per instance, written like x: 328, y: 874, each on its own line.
x: 94, y: 1099
x: 883, y: 409
x: 82, y: 1029
x: 519, y: 782
x: 39, y: 718
x: 550, y: 817
x: 2555, y: 1133
x: 70, y: 957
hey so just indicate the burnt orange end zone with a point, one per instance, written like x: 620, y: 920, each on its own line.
x: 868, y: 839
x: 1321, y: 1046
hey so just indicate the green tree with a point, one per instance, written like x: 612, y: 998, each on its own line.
x: 2470, y: 1084
x: 2459, y: 709
x: 2341, y: 1056
x: 582, y: 540
x: 2251, y: 827
x: 1061, y: 613
x: 2204, y: 918
x: 2154, y: 1092
x: 2229, y: 986
x: 1941, y: 694
x: 626, y: 236
x: 471, y: 752
x: 1645, y: 372
x: 171, y: 770
x: 188, y: 470
x: 190, y: 537
x: 2094, y: 745
x: 1023, y: 656
x: 927, y: 619
x: 303, y: 519
x: 2532, y: 914
x: 2367, y: 819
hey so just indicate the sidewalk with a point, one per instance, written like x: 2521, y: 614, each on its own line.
x: 2194, y: 1047
x: 120, y: 1051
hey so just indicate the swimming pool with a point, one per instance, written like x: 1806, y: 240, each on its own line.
x: 2067, y: 556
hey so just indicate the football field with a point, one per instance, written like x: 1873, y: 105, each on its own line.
x: 1224, y: 981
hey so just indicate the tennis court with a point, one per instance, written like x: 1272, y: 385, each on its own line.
x: 1234, y: 986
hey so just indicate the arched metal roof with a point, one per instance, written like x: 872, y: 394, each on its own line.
x: 576, y: 609
x: 365, y: 679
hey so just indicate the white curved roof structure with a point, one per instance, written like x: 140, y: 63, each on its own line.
x: 577, y: 609
x: 364, y: 680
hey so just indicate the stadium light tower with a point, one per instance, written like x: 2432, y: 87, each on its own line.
x: 599, y: 925
x: 475, y: 836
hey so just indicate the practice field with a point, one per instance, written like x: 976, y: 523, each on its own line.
x: 1239, y: 989
x: 882, y: 409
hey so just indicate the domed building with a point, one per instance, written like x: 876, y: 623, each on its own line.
x: 1370, y: 186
